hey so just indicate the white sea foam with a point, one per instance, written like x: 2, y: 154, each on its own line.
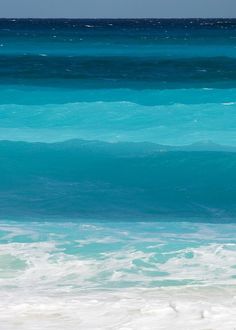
x: 133, y: 309
x: 105, y: 261
x: 117, y: 276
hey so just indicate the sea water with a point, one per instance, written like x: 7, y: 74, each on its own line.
x: 117, y: 174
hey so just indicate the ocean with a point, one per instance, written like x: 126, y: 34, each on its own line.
x: 118, y: 174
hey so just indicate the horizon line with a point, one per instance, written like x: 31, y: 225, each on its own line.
x: 116, y: 18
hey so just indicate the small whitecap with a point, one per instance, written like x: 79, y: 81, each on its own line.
x: 229, y: 103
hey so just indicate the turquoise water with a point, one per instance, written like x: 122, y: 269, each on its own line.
x: 117, y: 174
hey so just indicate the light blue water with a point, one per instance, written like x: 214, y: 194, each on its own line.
x: 117, y: 174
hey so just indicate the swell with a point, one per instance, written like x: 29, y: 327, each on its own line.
x: 59, y: 46
x: 118, y: 72
x: 31, y: 95
x: 84, y: 179
x: 176, y: 124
